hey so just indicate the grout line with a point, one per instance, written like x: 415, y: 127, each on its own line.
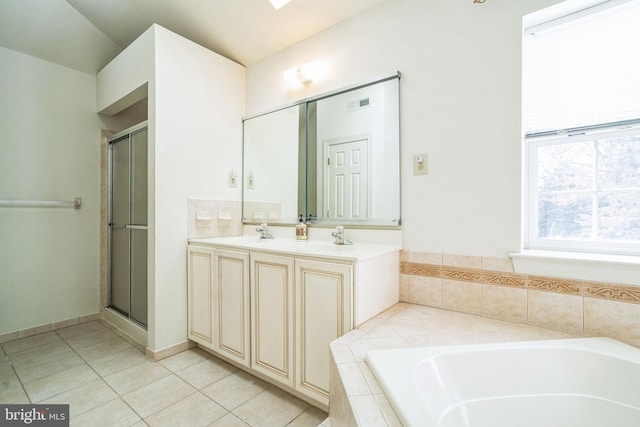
x: 99, y: 376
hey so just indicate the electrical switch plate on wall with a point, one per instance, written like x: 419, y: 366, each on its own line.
x: 420, y: 166
x: 233, y: 179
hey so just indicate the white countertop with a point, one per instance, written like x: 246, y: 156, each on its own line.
x: 312, y: 248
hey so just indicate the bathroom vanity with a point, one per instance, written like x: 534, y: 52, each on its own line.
x: 271, y: 307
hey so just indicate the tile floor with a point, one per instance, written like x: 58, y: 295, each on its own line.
x: 109, y: 382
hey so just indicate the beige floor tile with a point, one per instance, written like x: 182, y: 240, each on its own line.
x: 235, y: 389
x: 194, y: 411
x: 115, y: 413
x: 137, y: 376
x: 158, y: 395
x: 185, y: 359
x: 87, y: 340
x: 30, y: 342
x: 311, y: 417
x: 84, y: 398
x: 206, y: 372
x: 271, y: 408
x: 39, y: 354
x: 60, y: 382
x: 117, y: 362
x: 8, y: 378
x: 13, y: 395
x: 103, y: 348
x: 80, y: 330
x: 55, y: 363
x: 229, y: 420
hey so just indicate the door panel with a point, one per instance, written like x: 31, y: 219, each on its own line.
x: 200, y: 285
x: 120, y: 255
x: 347, y: 172
x: 128, y: 222
x: 272, y: 310
x: 139, y: 275
x: 323, y: 293
x: 231, y: 300
x: 139, y: 178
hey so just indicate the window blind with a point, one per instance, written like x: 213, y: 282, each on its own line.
x: 583, y: 69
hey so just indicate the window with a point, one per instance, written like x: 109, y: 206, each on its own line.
x: 581, y: 123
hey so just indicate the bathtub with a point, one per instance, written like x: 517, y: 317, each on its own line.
x: 582, y: 382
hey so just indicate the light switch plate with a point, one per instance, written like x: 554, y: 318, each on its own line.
x: 420, y: 164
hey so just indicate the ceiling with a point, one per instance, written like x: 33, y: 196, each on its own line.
x: 86, y: 34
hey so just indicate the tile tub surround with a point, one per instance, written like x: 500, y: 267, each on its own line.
x: 489, y: 287
x: 356, y: 397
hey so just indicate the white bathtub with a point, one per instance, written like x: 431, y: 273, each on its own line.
x: 583, y: 382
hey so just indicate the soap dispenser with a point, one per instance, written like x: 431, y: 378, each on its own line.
x: 301, y: 229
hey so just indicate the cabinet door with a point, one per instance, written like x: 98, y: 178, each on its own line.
x: 231, y: 305
x: 323, y: 313
x: 199, y: 294
x: 272, y: 316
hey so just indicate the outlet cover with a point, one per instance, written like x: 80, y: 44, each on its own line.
x: 420, y: 164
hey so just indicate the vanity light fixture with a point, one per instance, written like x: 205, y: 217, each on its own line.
x: 304, y: 74
x: 277, y: 4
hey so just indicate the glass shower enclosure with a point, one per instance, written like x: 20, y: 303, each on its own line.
x: 128, y: 223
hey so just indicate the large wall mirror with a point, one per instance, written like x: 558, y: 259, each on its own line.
x: 334, y: 159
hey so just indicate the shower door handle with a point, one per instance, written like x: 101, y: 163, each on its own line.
x: 136, y: 227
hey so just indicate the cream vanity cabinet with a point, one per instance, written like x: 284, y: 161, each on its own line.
x: 323, y: 292
x: 218, y: 301
x: 276, y: 311
x: 298, y: 306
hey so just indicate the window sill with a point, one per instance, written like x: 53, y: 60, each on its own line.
x: 592, y: 267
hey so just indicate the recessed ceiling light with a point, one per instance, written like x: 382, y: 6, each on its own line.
x: 278, y: 3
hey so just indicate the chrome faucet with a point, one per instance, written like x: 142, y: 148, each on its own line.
x: 264, y: 231
x: 338, y: 235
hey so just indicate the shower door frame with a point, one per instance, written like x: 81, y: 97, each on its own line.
x: 111, y: 140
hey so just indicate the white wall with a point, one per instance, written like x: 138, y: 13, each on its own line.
x: 49, y: 150
x: 199, y: 109
x: 196, y: 105
x: 460, y: 103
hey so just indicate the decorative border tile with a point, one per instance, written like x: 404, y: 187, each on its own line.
x: 612, y: 292
x: 558, y: 286
x: 607, y: 291
x: 504, y: 279
x: 414, y: 269
x: 462, y: 274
